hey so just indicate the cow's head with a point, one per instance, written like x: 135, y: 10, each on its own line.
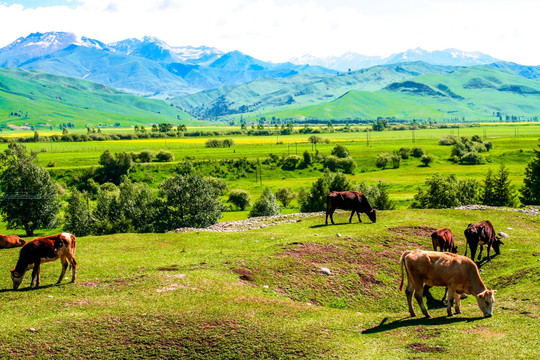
x: 16, y: 278
x: 21, y: 242
x: 372, y: 214
x: 485, y: 301
x: 497, y: 245
x: 453, y: 250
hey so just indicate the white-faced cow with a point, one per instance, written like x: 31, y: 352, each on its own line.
x: 10, y: 241
x: 481, y: 233
x: 45, y: 249
x: 349, y: 200
x: 458, y: 273
x: 444, y: 240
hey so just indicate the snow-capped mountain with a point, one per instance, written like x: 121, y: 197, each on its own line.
x: 39, y: 45
x: 354, y: 61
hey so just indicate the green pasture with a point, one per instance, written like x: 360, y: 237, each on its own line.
x: 513, y: 147
x: 260, y: 294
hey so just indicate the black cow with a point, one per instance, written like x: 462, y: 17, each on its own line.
x: 349, y: 200
x: 481, y: 233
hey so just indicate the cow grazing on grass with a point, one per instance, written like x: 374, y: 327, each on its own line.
x: 45, y: 249
x: 458, y: 273
x: 444, y: 240
x: 482, y: 233
x: 349, y: 200
x: 10, y: 241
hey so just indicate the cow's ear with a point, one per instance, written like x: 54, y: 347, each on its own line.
x: 494, y: 291
x: 481, y: 295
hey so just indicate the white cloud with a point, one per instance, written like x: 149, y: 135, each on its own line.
x: 278, y: 30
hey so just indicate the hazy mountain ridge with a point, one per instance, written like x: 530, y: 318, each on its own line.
x: 355, y: 61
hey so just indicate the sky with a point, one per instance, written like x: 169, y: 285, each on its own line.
x: 279, y: 30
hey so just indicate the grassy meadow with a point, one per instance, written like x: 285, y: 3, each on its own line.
x: 512, y: 146
x: 260, y: 294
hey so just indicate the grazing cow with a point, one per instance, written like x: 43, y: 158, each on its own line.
x: 456, y: 272
x: 444, y: 240
x: 349, y: 200
x: 10, y: 241
x: 45, y: 249
x: 481, y: 233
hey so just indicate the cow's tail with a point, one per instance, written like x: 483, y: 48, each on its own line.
x: 401, y: 262
x: 71, y: 249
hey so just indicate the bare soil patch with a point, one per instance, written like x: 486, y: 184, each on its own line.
x: 245, y: 275
x: 416, y: 231
x: 421, y: 347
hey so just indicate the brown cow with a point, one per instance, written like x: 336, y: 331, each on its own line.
x: 45, y: 249
x: 10, y: 241
x: 444, y: 240
x: 481, y: 233
x: 349, y: 200
x: 458, y: 273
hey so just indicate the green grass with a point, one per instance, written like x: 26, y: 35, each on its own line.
x: 511, y: 150
x: 260, y: 294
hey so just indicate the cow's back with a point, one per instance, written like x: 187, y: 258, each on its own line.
x: 346, y: 200
x: 438, y: 268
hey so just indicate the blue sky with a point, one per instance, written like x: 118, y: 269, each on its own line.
x: 278, y: 30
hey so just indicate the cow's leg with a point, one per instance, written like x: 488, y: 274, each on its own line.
x: 409, y: 293
x: 64, y: 268
x: 488, y: 248
x: 473, y: 250
x: 35, y: 275
x: 358, y: 213
x: 418, y: 295
x: 451, y: 296
x: 73, y: 263
x: 445, y: 292
x: 457, y: 299
x: 327, y: 211
x: 480, y: 253
x: 350, y: 218
x: 332, y: 216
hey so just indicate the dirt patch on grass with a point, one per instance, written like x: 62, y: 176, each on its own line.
x: 168, y: 268
x: 415, y: 231
x: 484, y: 330
x: 245, y: 275
x: 421, y: 347
x: 425, y: 333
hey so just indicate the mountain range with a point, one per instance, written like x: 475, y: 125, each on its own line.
x: 211, y: 84
x: 352, y: 61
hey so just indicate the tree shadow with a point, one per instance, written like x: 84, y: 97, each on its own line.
x: 416, y: 321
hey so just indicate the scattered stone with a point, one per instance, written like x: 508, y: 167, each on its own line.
x: 326, y: 271
x: 338, y: 235
x: 502, y: 234
x: 535, y: 211
x: 509, y: 229
x: 32, y: 329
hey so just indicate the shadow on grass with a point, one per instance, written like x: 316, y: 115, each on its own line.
x: 485, y: 260
x: 29, y: 289
x: 416, y: 321
x: 340, y: 223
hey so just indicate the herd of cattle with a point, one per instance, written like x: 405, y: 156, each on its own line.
x: 457, y: 273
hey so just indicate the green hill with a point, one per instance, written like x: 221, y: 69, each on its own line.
x: 478, y: 92
x: 267, y: 94
x: 33, y: 97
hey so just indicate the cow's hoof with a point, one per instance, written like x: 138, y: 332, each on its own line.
x: 427, y: 316
x: 413, y: 315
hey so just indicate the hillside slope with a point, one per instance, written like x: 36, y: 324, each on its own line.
x: 33, y: 97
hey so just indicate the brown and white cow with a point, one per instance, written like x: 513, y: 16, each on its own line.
x: 10, y: 241
x: 45, y: 249
x: 349, y: 200
x: 458, y: 273
x: 444, y: 240
x: 482, y: 233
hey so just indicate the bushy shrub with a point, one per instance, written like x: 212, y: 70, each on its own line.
x: 377, y: 195
x: 308, y: 158
x: 446, y: 192
x: 467, y: 151
x: 404, y: 152
x: 340, y: 151
x: 146, y: 156
x: 239, y: 198
x: 417, y: 152
x: 395, y: 160
x: 497, y: 190
x: 447, y: 140
x: 472, y: 158
x: 331, y: 162
x: 285, y: 195
x: 164, y: 156
x: 427, y: 159
x: 347, y: 165
x: 78, y: 215
x: 266, y: 205
x: 382, y: 160
x: 291, y: 161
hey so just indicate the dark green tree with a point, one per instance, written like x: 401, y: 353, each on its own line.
x: 113, y: 167
x: 530, y: 192
x: 78, y: 215
x: 340, y: 151
x: 29, y: 196
x: 189, y: 201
